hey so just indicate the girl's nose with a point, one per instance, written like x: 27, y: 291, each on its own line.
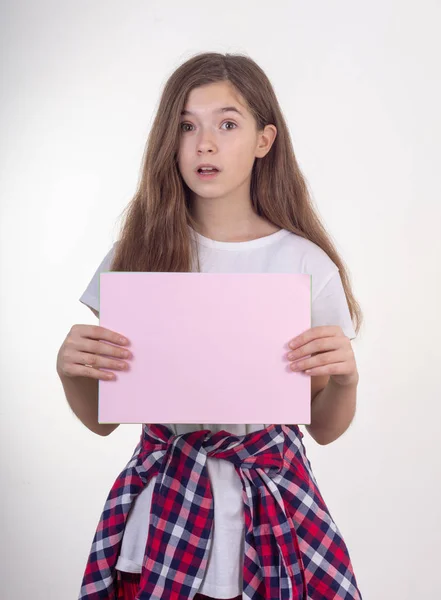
x: 206, y: 146
x: 206, y: 143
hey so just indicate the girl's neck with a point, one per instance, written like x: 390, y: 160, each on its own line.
x: 240, y: 232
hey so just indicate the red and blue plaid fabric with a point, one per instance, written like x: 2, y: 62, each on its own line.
x: 293, y: 549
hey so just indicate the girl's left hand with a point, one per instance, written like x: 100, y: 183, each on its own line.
x: 333, y: 354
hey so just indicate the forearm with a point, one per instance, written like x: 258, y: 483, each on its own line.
x: 332, y: 411
x: 82, y: 396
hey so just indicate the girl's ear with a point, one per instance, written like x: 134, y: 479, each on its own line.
x: 266, y: 140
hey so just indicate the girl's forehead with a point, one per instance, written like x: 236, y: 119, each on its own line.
x: 215, y: 109
x: 212, y: 99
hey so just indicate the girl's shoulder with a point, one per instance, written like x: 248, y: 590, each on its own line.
x: 310, y: 255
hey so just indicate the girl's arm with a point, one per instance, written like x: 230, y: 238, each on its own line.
x: 82, y: 396
x: 332, y: 411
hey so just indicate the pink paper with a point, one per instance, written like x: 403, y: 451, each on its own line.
x: 207, y: 347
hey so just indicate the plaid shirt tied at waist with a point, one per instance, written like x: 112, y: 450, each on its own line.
x: 293, y: 550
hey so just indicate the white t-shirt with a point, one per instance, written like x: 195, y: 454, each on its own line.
x: 280, y: 252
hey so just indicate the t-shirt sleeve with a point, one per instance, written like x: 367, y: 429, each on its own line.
x: 330, y: 306
x: 90, y: 296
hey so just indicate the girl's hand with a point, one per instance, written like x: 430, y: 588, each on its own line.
x: 331, y: 354
x: 81, y: 347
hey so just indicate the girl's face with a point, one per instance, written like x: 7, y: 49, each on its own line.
x: 228, y: 139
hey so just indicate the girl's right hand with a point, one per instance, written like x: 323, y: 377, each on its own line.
x: 82, y: 346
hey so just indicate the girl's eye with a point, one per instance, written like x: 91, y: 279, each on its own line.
x: 190, y: 125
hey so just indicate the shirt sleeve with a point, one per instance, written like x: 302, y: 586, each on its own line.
x: 330, y: 306
x: 90, y: 297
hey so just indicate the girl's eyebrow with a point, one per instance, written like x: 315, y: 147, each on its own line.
x: 219, y: 110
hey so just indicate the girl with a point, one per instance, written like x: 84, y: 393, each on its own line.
x: 221, y: 191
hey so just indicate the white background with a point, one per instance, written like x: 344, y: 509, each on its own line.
x: 359, y: 85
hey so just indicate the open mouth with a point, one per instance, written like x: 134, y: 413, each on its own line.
x: 207, y: 173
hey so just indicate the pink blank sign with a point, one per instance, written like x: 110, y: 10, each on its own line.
x: 207, y: 347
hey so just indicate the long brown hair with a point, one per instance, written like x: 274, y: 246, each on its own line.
x: 155, y: 235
